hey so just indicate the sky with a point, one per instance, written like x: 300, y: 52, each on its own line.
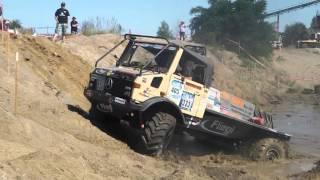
x: 139, y: 16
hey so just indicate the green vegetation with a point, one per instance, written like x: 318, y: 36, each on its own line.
x: 100, y: 26
x: 240, y: 20
x: 295, y: 32
x: 164, y: 31
x: 15, y: 24
x: 315, y: 25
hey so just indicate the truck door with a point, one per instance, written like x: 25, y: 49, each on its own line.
x: 188, y: 95
x: 187, y: 90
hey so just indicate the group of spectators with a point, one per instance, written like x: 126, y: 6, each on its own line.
x: 62, y: 18
x: 62, y: 21
x: 4, y: 24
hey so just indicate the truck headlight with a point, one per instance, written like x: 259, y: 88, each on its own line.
x: 101, y: 71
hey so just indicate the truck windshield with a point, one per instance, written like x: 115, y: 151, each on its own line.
x: 146, y: 55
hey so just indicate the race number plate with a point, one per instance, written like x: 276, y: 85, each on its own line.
x: 187, y: 100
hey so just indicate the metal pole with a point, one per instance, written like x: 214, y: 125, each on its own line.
x: 278, y: 23
x: 8, y: 53
x: 16, y: 83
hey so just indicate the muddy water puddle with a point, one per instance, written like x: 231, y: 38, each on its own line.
x: 302, y: 121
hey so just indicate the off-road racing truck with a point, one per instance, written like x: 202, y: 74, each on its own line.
x: 158, y: 86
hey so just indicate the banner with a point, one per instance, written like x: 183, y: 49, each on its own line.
x: 214, y: 100
x: 236, y: 107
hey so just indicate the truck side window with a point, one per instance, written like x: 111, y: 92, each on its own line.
x: 191, y: 68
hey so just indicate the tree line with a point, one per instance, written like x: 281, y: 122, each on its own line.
x: 241, y: 21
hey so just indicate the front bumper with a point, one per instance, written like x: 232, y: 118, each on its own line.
x: 115, y: 106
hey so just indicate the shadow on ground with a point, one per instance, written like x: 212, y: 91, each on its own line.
x: 110, y: 125
x: 182, y: 143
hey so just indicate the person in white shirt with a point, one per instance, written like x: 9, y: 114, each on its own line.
x: 182, y: 31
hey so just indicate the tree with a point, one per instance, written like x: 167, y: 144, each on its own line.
x: 315, y: 23
x: 101, y: 25
x: 15, y: 24
x: 240, y: 20
x: 295, y: 32
x: 164, y: 31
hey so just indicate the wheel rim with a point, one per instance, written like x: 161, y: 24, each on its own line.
x: 272, y: 154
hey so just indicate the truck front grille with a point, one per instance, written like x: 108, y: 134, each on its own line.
x: 119, y: 86
x: 100, y: 84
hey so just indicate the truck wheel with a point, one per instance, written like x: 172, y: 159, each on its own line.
x: 157, y: 134
x: 268, y: 149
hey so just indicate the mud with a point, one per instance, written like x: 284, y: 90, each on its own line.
x: 302, y: 121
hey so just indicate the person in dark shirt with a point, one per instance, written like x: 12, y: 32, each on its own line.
x: 74, y: 26
x: 61, y: 17
x: 187, y: 69
x: 1, y: 8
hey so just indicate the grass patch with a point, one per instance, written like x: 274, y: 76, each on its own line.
x: 101, y: 26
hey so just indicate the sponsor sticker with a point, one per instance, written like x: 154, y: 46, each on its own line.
x: 218, y: 127
x: 176, y: 91
x: 120, y: 100
x: 214, y: 101
x: 236, y: 107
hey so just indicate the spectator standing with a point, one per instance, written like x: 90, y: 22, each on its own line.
x: 1, y: 8
x: 182, y: 31
x: 74, y: 26
x: 1, y: 16
x: 61, y: 17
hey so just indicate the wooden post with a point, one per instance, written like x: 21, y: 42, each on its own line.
x: 8, y: 53
x: 16, y: 83
x: 2, y: 38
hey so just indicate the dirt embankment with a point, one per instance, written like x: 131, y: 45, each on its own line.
x: 46, y: 140
x: 289, y: 73
x: 51, y: 138
x: 301, y: 65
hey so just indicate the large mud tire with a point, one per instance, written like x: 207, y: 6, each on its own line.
x: 268, y: 149
x: 158, y: 132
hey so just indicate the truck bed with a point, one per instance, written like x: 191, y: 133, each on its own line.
x: 219, y: 125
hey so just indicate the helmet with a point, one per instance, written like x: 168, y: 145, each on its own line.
x: 63, y: 4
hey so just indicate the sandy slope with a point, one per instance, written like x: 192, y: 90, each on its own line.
x: 302, y: 65
x: 46, y: 139
x: 51, y: 138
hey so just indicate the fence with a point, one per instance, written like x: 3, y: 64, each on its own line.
x: 44, y: 30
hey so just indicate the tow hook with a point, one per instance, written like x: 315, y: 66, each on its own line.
x: 193, y: 123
